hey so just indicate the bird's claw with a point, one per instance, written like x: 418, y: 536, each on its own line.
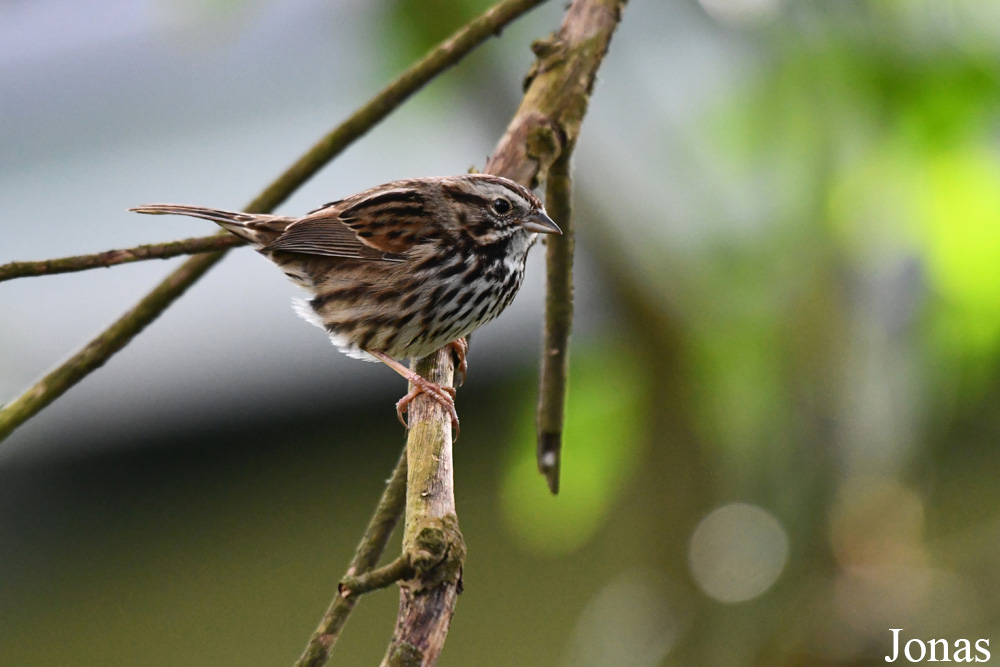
x: 460, y: 347
x: 445, y: 396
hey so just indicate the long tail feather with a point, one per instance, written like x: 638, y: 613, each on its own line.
x: 257, y: 229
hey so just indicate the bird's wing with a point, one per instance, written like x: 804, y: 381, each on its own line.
x: 382, y: 223
x: 329, y: 237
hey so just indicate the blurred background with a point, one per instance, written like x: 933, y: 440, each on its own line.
x: 784, y: 409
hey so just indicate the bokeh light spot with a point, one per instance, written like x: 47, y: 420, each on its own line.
x: 737, y: 552
x: 628, y: 622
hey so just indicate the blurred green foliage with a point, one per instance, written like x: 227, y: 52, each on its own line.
x: 411, y: 27
x: 604, y: 427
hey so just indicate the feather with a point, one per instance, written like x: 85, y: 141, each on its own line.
x: 326, y: 236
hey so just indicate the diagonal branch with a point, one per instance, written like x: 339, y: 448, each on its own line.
x: 119, y: 334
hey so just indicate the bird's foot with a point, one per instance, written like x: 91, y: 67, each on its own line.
x: 445, y: 396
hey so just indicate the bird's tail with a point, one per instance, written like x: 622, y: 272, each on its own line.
x: 256, y: 228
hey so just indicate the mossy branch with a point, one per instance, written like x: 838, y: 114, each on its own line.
x: 119, y: 334
x: 432, y: 542
x: 557, y: 92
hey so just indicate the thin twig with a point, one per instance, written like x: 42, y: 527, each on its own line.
x: 100, y: 349
x: 558, y: 321
x: 108, y: 258
x: 432, y: 541
x: 380, y: 527
x: 380, y: 577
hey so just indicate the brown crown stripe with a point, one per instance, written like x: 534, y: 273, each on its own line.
x: 460, y: 195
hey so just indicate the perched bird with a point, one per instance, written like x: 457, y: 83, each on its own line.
x: 401, y: 269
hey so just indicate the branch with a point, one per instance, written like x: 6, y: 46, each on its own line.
x: 119, y: 334
x: 432, y: 542
x: 538, y: 140
x: 558, y: 321
x: 546, y: 124
x: 108, y: 258
x: 380, y: 527
x: 557, y: 92
x: 382, y: 577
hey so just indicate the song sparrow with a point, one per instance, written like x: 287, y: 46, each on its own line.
x: 402, y: 269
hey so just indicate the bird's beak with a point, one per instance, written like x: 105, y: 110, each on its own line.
x: 541, y: 223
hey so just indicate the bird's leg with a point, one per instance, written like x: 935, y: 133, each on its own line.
x: 443, y: 395
x: 460, y: 347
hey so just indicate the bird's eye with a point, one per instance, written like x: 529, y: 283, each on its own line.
x: 501, y: 205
